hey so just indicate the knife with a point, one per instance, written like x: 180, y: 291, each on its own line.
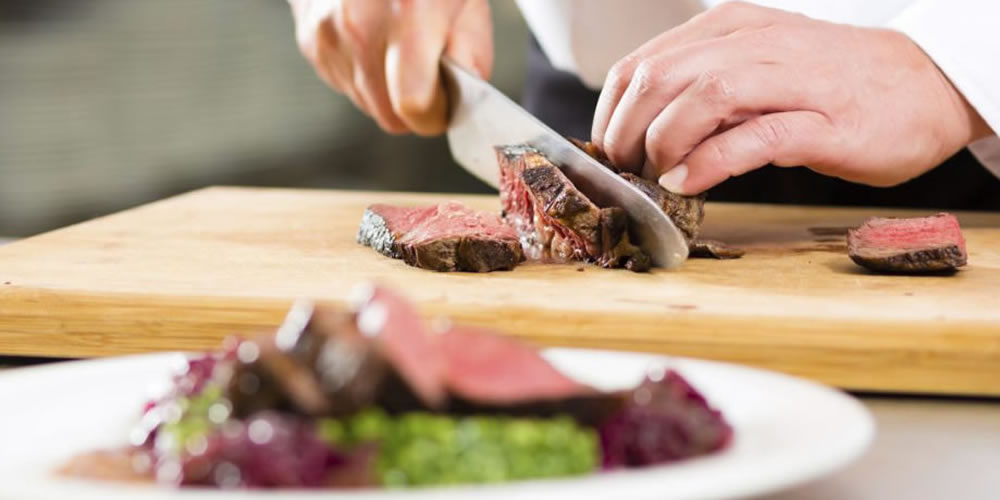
x: 483, y: 117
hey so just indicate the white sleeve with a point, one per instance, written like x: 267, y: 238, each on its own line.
x: 963, y: 39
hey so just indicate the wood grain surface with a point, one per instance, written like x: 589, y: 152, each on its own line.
x: 184, y: 272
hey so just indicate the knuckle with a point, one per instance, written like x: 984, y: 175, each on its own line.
x: 718, y: 152
x: 715, y: 89
x: 621, y: 74
x: 648, y: 77
x: 355, y: 29
x: 770, y: 133
x: 774, y: 36
x: 659, y: 148
x: 734, y: 8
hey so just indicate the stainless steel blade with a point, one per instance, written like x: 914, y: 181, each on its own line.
x: 483, y: 117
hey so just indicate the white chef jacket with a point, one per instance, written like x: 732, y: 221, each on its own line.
x: 587, y: 37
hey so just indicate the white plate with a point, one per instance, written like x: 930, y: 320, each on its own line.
x: 787, y: 431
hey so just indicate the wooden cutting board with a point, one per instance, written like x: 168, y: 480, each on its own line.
x: 184, y: 272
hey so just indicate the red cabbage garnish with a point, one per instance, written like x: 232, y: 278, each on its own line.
x: 663, y: 421
x: 266, y: 450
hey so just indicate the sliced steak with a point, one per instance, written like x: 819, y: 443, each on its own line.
x: 493, y: 369
x: 713, y: 249
x: 492, y: 374
x: 914, y: 245
x: 687, y: 212
x: 403, y: 340
x: 555, y: 220
x: 444, y: 237
x: 327, y: 362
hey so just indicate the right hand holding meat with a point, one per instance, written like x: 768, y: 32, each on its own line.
x: 385, y: 54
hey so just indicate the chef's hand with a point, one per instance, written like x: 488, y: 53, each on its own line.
x: 385, y: 54
x: 741, y: 86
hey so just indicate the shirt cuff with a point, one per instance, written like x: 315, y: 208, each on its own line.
x: 963, y: 39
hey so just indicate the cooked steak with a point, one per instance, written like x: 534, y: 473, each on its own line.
x: 444, y: 237
x: 915, y: 245
x: 325, y: 361
x: 491, y: 374
x: 328, y: 362
x: 555, y: 220
x: 687, y: 212
x: 489, y: 368
x: 713, y: 249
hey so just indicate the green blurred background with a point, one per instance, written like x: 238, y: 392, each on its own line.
x: 107, y: 104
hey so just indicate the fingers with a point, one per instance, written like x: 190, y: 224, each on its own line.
x: 714, y: 102
x: 785, y: 139
x: 318, y: 41
x: 417, y: 37
x: 659, y: 80
x: 362, y: 25
x: 471, y: 41
x: 720, y: 21
x: 333, y: 63
x: 385, y: 54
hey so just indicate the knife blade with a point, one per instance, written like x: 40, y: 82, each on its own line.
x: 483, y: 117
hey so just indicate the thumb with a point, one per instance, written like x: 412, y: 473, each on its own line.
x: 784, y: 139
x: 417, y: 37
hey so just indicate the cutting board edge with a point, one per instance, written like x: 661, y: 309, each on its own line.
x: 84, y: 325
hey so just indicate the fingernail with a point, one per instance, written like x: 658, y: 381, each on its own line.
x: 673, y: 180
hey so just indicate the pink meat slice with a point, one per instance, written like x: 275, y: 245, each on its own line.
x: 488, y: 368
x: 404, y: 219
x: 444, y: 237
x: 890, y: 235
x: 453, y: 219
x: 400, y: 336
x: 913, y: 245
x: 416, y: 225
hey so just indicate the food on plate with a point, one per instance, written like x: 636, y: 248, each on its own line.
x: 714, y: 249
x: 371, y: 396
x: 444, y: 237
x: 911, y: 245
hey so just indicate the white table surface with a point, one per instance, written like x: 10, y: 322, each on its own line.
x: 924, y: 449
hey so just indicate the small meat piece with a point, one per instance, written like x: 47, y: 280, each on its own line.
x: 687, y: 212
x: 444, y: 237
x: 557, y: 222
x: 914, y: 245
x: 713, y: 249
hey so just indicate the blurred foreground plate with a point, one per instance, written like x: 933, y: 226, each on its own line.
x: 787, y: 431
